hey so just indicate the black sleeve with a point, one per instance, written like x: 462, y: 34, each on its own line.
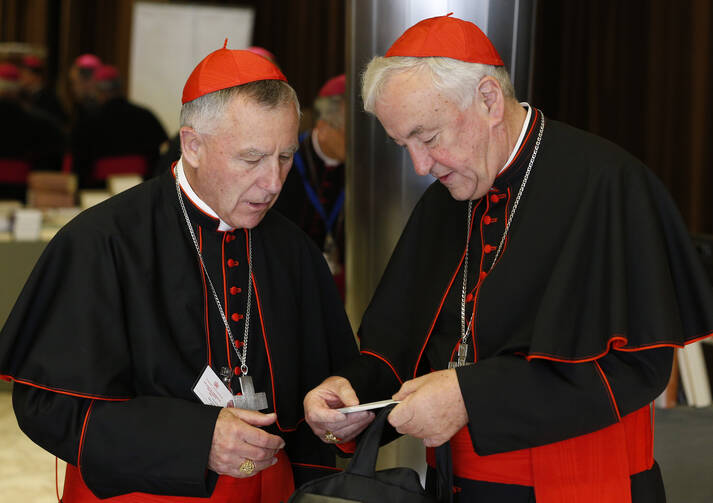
x: 155, y: 445
x: 515, y: 404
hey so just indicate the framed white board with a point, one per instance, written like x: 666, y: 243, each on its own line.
x: 168, y: 41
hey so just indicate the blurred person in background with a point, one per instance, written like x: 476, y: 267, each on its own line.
x: 81, y: 85
x: 35, y: 91
x: 117, y: 137
x: 313, y: 195
x: 29, y: 140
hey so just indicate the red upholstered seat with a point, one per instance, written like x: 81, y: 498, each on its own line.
x: 14, y: 171
x: 120, y: 165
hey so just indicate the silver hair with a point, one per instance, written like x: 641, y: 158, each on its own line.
x: 330, y: 109
x: 456, y: 78
x: 201, y: 114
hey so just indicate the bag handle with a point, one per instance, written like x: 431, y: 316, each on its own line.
x: 364, y: 459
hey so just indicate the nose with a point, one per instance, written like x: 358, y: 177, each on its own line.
x: 271, y: 181
x: 421, y: 158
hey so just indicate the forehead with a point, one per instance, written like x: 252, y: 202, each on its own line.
x: 243, y: 118
x: 410, y: 103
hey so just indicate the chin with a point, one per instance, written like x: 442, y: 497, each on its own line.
x: 460, y: 193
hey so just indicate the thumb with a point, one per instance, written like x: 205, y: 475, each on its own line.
x: 407, y: 388
x: 254, y: 417
x: 347, y: 395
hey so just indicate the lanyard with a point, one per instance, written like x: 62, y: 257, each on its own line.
x: 312, y: 194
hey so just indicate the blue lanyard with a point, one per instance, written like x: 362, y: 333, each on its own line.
x: 312, y: 195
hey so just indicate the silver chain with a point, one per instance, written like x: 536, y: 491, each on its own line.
x: 244, y: 357
x: 464, y: 333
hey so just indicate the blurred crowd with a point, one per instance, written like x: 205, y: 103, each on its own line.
x: 101, y: 133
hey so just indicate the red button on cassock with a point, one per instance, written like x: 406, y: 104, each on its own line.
x: 237, y: 317
x: 230, y: 238
x: 483, y: 274
x: 232, y: 263
x: 234, y: 290
x: 488, y: 248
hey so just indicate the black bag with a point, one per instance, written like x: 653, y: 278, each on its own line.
x: 361, y: 483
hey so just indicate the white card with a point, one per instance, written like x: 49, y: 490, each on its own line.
x: 211, y: 390
x: 367, y: 406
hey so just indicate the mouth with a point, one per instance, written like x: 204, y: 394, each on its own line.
x: 445, y: 178
x: 259, y: 205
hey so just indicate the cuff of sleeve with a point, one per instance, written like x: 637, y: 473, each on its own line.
x: 154, y: 445
x: 347, y: 447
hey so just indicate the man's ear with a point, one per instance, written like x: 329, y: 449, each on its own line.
x: 490, y: 96
x: 191, y: 145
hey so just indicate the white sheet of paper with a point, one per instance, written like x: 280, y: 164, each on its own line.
x: 211, y: 390
x: 367, y: 406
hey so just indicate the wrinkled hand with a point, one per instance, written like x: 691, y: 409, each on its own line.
x: 431, y: 408
x: 319, y: 405
x: 237, y: 437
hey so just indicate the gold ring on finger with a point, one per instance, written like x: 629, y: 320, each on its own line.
x: 247, y: 467
x: 331, y: 437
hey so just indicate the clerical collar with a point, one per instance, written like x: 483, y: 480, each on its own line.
x: 328, y: 161
x: 523, y: 131
x: 197, y: 201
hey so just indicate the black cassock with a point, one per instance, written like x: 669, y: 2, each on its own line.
x: 117, y: 314
x: 596, y: 282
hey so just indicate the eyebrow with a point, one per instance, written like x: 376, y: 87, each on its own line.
x: 259, y: 153
x: 415, y: 132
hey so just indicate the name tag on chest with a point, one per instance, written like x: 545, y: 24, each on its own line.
x: 211, y: 390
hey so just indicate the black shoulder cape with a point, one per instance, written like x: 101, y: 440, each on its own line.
x: 597, y: 258
x: 115, y: 309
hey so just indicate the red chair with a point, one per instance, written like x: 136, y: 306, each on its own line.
x: 120, y: 165
x: 14, y: 171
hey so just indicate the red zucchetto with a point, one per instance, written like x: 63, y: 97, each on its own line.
x: 447, y: 37
x: 334, y: 86
x: 226, y: 68
x: 106, y: 73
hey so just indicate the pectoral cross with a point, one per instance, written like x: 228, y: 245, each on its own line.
x: 462, y: 354
x: 248, y: 399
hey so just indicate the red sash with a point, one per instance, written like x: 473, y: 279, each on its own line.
x: 272, y: 485
x: 591, y: 468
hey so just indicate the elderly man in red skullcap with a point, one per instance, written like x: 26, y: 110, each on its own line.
x: 313, y: 196
x: 527, y: 316
x: 166, y: 338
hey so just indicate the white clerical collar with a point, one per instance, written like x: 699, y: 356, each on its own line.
x: 183, y: 181
x: 520, y: 138
x: 328, y: 161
